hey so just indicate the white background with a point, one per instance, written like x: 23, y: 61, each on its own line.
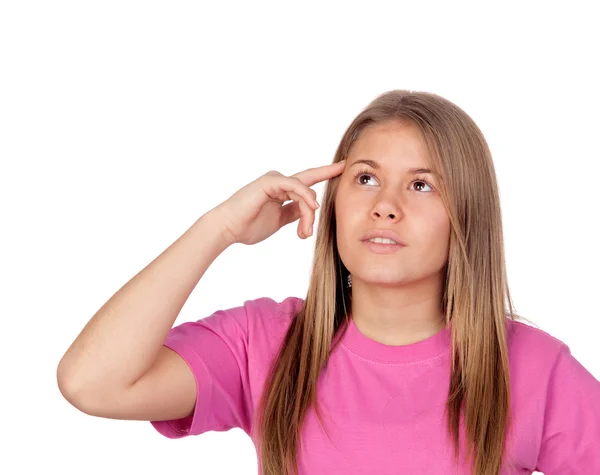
x: 122, y: 122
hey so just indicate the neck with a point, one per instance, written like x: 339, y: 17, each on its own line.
x: 398, y: 315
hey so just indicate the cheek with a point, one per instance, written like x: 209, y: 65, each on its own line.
x: 350, y: 220
x: 435, y: 229
x: 345, y: 210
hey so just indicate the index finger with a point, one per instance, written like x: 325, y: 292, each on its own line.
x: 315, y: 175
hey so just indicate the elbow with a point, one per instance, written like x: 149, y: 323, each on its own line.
x: 74, y: 393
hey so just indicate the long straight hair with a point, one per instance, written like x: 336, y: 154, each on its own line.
x: 476, y: 298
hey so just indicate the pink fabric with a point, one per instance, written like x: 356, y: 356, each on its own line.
x: 383, y: 405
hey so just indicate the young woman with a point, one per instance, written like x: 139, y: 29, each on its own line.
x: 405, y: 350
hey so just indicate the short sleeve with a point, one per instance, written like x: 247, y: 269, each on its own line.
x: 571, y: 433
x: 215, y: 348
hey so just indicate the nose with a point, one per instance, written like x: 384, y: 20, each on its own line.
x: 385, y: 209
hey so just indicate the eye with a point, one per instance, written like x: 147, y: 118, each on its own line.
x: 362, y: 173
x: 368, y: 174
x: 420, y: 180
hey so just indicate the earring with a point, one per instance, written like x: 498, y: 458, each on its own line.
x: 349, y: 281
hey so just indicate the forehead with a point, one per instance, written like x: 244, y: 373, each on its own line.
x: 395, y: 145
x: 392, y: 133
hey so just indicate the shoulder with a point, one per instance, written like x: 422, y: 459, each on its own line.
x: 560, y: 397
x: 269, y: 307
x: 266, y: 315
x: 533, y: 352
x: 523, y: 336
x: 254, y: 314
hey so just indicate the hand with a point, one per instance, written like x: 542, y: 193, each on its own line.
x: 256, y: 211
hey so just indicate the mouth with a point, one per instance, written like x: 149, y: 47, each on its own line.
x: 382, y: 248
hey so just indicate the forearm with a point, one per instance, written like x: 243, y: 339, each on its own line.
x: 121, y: 341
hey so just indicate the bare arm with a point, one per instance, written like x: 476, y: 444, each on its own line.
x: 118, y: 367
x: 122, y: 341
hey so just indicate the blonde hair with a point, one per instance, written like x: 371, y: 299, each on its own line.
x: 475, y: 294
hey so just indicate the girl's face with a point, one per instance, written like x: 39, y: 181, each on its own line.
x: 386, y: 194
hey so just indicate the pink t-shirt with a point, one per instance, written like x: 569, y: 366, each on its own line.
x: 383, y: 405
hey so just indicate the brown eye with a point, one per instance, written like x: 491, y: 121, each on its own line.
x: 361, y: 174
x: 423, y: 182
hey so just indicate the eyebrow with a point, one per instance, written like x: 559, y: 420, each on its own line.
x: 377, y: 165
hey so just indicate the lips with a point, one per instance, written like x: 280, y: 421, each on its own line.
x: 383, y: 233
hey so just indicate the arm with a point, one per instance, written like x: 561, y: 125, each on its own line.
x: 571, y: 431
x: 119, y: 355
